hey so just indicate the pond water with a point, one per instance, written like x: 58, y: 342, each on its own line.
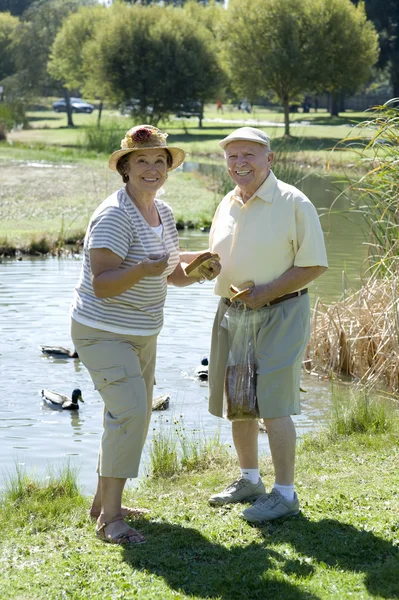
x: 35, y: 295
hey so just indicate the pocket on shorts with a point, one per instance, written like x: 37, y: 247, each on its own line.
x: 106, y: 376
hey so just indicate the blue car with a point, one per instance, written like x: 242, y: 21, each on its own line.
x: 78, y: 106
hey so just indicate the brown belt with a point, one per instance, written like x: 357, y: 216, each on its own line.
x: 238, y: 304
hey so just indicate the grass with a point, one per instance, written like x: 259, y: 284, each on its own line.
x: 313, y: 134
x: 344, y: 544
x: 173, y: 451
x: 59, y: 198
x: 54, y: 181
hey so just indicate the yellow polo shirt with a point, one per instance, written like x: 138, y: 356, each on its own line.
x: 258, y: 241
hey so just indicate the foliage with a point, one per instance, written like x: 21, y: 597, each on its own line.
x: 103, y: 139
x: 15, y: 7
x: 12, y: 114
x: 154, y: 56
x: 8, y: 26
x: 346, y: 44
x: 285, y: 47
x: 377, y: 190
x: 34, y: 38
x: 66, y: 64
x: 385, y: 16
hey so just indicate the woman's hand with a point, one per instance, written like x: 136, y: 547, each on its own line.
x: 212, y: 271
x: 154, y: 265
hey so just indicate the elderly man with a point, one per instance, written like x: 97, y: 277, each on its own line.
x: 267, y: 232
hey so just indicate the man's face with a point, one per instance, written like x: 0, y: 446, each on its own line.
x: 248, y: 163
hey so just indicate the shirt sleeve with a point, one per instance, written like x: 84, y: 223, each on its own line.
x: 309, y: 246
x: 111, y: 229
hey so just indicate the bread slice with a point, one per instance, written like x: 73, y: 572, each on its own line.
x: 202, y: 260
x: 240, y: 290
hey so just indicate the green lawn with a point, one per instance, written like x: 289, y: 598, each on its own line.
x: 343, y: 545
x: 58, y: 201
x: 313, y: 134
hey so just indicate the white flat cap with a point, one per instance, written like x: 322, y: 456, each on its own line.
x: 246, y: 134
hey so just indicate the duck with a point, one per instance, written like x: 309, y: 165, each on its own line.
x: 59, y: 352
x: 202, y: 372
x: 61, y: 402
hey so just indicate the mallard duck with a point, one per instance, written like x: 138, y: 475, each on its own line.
x: 202, y: 372
x: 59, y: 352
x: 59, y: 401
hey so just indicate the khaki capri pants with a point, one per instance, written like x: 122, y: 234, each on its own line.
x: 122, y: 368
x: 281, y: 339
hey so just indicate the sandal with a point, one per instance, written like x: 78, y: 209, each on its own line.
x: 126, y: 512
x: 121, y: 539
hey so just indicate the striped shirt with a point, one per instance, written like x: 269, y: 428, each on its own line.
x: 119, y: 226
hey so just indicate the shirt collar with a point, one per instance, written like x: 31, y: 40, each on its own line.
x: 264, y: 192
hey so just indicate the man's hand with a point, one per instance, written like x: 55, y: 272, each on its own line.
x: 212, y: 271
x: 256, y: 297
x: 155, y: 265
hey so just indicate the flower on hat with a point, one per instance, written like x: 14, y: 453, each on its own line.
x: 142, y: 135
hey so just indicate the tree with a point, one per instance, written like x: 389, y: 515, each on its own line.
x: 267, y: 48
x: 8, y: 27
x: 66, y: 64
x: 157, y: 56
x: 346, y: 48
x: 15, y: 7
x: 385, y: 16
x: 286, y: 47
x: 35, y: 36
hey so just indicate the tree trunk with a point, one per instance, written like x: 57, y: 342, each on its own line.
x: 333, y: 104
x: 100, y: 110
x: 201, y: 115
x: 69, y: 108
x: 286, y: 107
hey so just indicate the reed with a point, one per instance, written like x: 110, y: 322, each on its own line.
x: 376, y: 191
x: 359, y: 336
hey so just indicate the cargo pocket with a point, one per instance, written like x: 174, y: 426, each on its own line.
x: 106, y: 376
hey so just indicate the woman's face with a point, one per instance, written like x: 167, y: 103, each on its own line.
x: 147, y: 170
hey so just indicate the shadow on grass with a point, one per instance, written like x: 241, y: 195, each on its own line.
x: 342, y: 546
x: 190, y: 563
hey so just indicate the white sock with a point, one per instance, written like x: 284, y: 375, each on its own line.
x: 285, y: 490
x: 251, y: 474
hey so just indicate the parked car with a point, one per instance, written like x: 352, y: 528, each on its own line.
x: 78, y: 106
x: 133, y: 107
x: 189, y: 109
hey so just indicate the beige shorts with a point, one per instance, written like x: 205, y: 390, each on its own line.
x: 281, y: 338
x: 122, y: 368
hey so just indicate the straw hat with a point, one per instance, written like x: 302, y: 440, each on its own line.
x: 247, y: 134
x: 146, y: 137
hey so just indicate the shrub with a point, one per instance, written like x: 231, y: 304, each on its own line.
x: 12, y: 114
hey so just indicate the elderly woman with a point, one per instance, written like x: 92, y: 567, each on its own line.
x: 131, y: 253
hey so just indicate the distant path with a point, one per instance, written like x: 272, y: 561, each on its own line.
x: 257, y: 122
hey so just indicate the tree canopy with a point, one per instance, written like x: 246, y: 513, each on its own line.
x: 385, y: 16
x: 35, y: 36
x: 8, y: 27
x: 15, y: 7
x: 156, y: 56
x: 286, y: 47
